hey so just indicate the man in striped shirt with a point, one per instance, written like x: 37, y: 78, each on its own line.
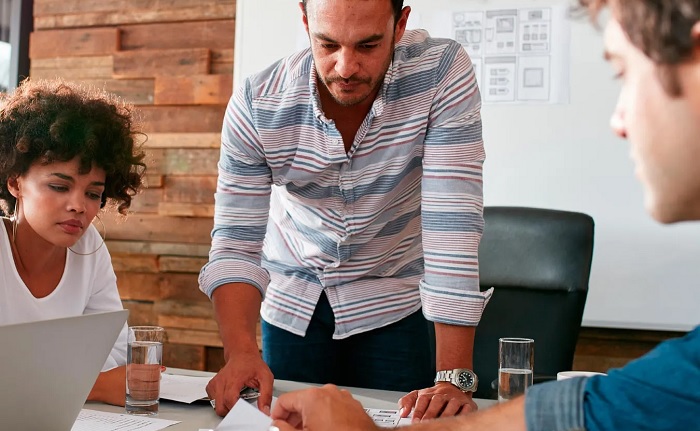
x: 350, y: 199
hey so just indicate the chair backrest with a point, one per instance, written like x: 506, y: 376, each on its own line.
x: 539, y: 262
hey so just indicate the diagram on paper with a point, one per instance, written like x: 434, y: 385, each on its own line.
x: 387, y: 418
x: 512, y: 52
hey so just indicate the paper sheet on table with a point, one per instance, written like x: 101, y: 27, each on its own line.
x: 93, y: 420
x: 245, y: 416
x: 386, y: 418
x: 185, y: 389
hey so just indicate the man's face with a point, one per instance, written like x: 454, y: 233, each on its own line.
x: 664, y: 131
x: 352, y: 42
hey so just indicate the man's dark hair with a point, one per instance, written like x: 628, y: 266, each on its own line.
x: 47, y: 121
x: 396, y: 4
x: 659, y: 28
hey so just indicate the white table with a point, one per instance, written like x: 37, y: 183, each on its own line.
x: 202, y: 416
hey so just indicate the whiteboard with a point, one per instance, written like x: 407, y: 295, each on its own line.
x: 644, y: 275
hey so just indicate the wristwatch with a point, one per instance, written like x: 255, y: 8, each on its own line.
x: 463, y: 378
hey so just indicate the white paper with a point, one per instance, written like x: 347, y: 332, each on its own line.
x: 387, y: 418
x: 185, y: 389
x: 92, y: 420
x: 520, y: 54
x: 245, y: 417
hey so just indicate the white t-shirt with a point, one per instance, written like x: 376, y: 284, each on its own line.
x: 88, y: 285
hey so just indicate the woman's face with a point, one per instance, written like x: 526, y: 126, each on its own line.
x: 56, y: 201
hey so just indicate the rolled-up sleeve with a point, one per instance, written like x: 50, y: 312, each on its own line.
x: 452, y: 196
x: 242, y: 202
x: 556, y: 406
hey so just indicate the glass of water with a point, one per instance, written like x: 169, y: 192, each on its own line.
x: 515, y: 361
x: 144, y: 357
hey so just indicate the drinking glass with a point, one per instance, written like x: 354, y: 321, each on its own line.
x: 515, y: 363
x: 144, y: 357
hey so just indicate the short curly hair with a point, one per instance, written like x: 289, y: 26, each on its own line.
x: 52, y: 120
x: 661, y: 29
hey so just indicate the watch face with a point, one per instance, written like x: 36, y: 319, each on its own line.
x: 465, y: 380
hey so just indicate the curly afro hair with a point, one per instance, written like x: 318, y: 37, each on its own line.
x: 46, y: 121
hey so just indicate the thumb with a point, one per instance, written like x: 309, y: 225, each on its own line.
x: 280, y: 426
x: 407, y: 402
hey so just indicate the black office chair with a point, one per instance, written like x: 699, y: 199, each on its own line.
x: 539, y: 262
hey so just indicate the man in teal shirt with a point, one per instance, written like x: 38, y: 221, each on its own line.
x: 654, y: 48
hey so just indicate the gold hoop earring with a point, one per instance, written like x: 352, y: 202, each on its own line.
x: 104, y: 236
x: 14, y: 222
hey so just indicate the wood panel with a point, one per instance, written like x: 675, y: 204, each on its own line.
x: 185, y: 209
x: 140, y: 313
x: 158, y: 248
x: 136, y: 16
x: 192, y: 336
x: 62, y: 7
x: 183, y: 119
x: 180, y: 161
x: 178, y: 54
x: 187, y: 356
x: 191, y: 188
x: 146, y: 201
x: 193, y: 90
x: 196, y: 323
x: 182, y: 287
x: 181, y: 264
x: 222, y: 62
x: 217, y: 34
x: 74, y: 43
x: 72, y: 68
x: 135, y: 262
x: 147, y: 227
x: 183, y: 140
x: 150, y: 63
x: 184, y: 308
x: 153, y: 181
x: 139, y: 286
x: 215, y: 359
x: 134, y: 91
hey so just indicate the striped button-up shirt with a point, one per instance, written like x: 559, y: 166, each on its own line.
x: 390, y: 226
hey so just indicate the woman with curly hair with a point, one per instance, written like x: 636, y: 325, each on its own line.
x: 65, y: 151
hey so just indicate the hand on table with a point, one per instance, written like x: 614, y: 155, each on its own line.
x: 442, y: 400
x: 320, y: 409
x: 242, y: 369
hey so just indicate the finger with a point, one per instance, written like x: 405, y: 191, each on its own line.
x: 288, y: 404
x: 280, y: 426
x: 453, y: 407
x: 406, y: 403
x: 211, y: 388
x: 420, y: 407
x: 265, y: 399
x: 228, y: 397
x: 437, y: 404
x: 469, y: 407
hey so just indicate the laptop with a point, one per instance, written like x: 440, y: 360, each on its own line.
x: 48, y: 368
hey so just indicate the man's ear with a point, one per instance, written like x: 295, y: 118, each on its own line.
x: 304, y: 18
x: 400, y: 26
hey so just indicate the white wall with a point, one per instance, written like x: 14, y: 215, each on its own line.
x: 555, y: 156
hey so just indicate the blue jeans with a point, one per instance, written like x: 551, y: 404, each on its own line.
x: 396, y: 357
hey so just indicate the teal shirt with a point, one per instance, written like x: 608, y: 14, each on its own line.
x: 659, y: 391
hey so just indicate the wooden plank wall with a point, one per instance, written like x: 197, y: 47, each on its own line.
x: 173, y: 59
